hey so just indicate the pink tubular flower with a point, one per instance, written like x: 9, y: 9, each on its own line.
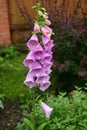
x: 47, y: 22
x: 38, y: 52
x: 46, y: 109
x: 48, y: 43
x: 47, y: 65
x: 29, y: 80
x: 33, y: 42
x: 46, y: 55
x: 36, y: 28
x: 29, y: 60
x: 45, y: 39
x: 48, y: 47
x: 46, y: 58
x: 36, y: 70
x: 46, y: 31
x: 42, y: 79
x: 44, y: 86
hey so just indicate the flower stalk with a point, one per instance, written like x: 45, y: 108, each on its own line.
x: 39, y: 58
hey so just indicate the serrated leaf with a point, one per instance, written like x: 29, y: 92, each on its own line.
x: 28, y: 123
x: 42, y: 126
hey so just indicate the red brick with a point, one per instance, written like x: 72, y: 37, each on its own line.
x: 4, y: 24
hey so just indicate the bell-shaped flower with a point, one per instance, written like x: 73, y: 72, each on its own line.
x: 42, y: 79
x: 47, y: 65
x: 29, y: 61
x: 33, y: 42
x: 46, y: 55
x: 46, y: 109
x: 36, y: 28
x: 36, y: 70
x: 47, y: 22
x: 47, y: 31
x: 44, y: 86
x: 46, y: 58
x: 48, y: 46
x: 45, y: 39
x: 47, y: 42
x: 29, y: 80
x: 38, y: 53
x: 48, y: 71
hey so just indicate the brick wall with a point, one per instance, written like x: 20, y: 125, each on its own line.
x: 4, y: 24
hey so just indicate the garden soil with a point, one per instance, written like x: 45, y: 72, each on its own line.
x: 10, y: 115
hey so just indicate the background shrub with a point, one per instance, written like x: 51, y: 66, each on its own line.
x: 70, y: 51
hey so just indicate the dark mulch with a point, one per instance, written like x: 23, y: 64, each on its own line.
x: 10, y: 115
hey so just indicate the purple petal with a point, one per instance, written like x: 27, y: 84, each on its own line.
x: 46, y: 31
x: 33, y: 42
x: 46, y: 58
x: 46, y: 109
x: 38, y: 53
x: 36, y: 28
x: 48, y: 71
x: 49, y: 45
x: 44, y: 86
x: 29, y: 60
x: 45, y: 39
x: 42, y: 79
x: 47, y: 65
x: 36, y: 70
x: 46, y: 55
x: 29, y: 80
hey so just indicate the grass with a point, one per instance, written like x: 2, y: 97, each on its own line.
x: 12, y: 77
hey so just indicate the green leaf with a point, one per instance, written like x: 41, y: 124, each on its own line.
x: 38, y: 5
x: 40, y: 13
x: 28, y: 123
x: 42, y: 126
x: 43, y: 9
x: 34, y: 7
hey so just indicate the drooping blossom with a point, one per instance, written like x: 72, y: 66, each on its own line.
x: 45, y: 85
x: 46, y: 109
x: 42, y: 78
x: 46, y: 31
x: 36, y: 28
x: 33, y: 42
x: 47, y: 22
x: 38, y: 52
x: 36, y: 70
x: 48, y: 43
x: 29, y: 61
x: 30, y: 80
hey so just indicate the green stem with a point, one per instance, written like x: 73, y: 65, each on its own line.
x: 34, y: 107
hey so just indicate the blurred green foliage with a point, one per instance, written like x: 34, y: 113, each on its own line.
x: 12, y: 74
x: 69, y: 113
